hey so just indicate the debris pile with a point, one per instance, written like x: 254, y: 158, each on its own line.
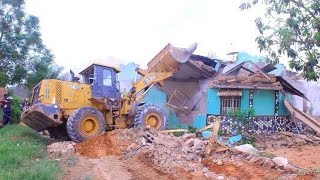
x: 169, y: 154
x: 64, y: 147
x: 165, y: 150
x: 168, y: 151
x: 287, y: 139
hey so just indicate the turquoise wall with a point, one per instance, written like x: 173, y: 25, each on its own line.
x: 200, y: 121
x: 282, y: 110
x: 159, y: 98
x: 245, y: 100
x: 213, y: 102
x: 264, y: 102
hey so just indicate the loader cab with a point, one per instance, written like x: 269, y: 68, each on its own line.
x: 103, y: 80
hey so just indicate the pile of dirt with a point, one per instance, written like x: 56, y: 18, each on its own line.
x: 102, y: 145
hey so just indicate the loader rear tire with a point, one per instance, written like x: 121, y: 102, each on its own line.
x: 152, y: 116
x: 85, y: 123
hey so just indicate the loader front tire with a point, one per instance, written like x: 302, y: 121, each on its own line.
x: 152, y: 116
x: 85, y: 123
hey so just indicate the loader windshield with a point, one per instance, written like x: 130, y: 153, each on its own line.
x: 107, y: 80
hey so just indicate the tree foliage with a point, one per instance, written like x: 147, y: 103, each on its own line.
x: 292, y: 28
x: 21, y: 46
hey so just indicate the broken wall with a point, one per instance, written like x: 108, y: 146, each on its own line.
x: 195, y: 89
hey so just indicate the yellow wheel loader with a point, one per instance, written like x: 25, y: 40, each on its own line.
x: 85, y: 110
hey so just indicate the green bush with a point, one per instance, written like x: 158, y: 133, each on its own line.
x: 16, y: 110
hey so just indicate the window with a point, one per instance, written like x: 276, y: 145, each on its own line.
x: 230, y: 103
x: 107, y: 81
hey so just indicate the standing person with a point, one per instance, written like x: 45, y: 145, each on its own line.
x: 6, y: 109
x: 25, y: 104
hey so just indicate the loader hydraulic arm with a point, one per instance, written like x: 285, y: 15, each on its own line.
x: 148, y: 81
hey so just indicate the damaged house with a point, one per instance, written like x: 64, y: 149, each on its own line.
x: 250, y: 98
x: 183, y: 96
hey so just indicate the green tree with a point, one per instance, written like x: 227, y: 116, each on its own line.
x: 21, y: 46
x: 40, y: 70
x: 292, y: 28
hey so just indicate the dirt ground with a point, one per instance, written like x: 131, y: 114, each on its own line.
x: 243, y: 171
x: 113, y: 167
x: 118, y: 155
x: 306, y: 156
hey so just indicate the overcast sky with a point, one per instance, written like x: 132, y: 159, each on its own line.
x: 119, y: 31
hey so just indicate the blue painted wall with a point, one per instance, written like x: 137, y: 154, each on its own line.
x: 159, y: 98
x: 200, y: 121
x: 264, y: 102
x: 245, y: 100
x: 282, y: 110
x: 213, y: 102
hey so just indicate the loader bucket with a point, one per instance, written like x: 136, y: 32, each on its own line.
x: 41, y: 116
x: 177, y: 61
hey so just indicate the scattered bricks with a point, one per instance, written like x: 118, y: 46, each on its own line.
x: 149, y: 137
x: 154, y: 132
x: 219, y: 162
x: 290, y: 144
x: 283, y: 143
x: 280, y: 161
x: 190, y: 157
x: 268, y: 163
x: 65, y: 147
x: 132, y: 147
x: 253, y: 160
x: 290, y: 169
x: 189, y: 142
x: 144, y: 141
x: 197, y: 174
x: 219, y: 177
x: 249, y: 157
x: 300, y: 142
x: 261, y: 160
x: 211, y: 175
x: 188, y: 136
x: 205, y: 170
x: 316, y: 138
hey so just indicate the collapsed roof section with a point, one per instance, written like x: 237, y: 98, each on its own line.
x: 178, y: 61
x: 253, y: 77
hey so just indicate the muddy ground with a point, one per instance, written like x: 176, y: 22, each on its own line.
x: 118, y: 155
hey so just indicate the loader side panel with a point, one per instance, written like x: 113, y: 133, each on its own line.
x: 68, y: 95
x: 73, y: 95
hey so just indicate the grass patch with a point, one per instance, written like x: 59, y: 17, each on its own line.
x: 23, y: 155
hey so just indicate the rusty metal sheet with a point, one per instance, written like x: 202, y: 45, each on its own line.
x: 230, y: 93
